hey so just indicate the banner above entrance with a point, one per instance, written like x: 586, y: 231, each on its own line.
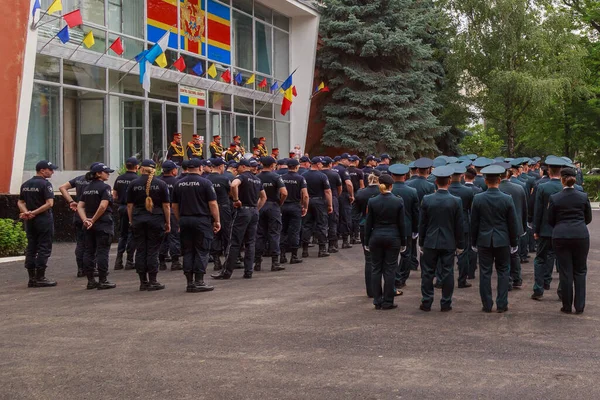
x: 192, y: 96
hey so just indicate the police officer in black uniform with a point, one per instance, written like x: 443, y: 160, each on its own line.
x: 335, y: 182
x: 346, y: 199
x: 269, y: 217
x: 149, y: 211
x: 304, y: 165
x: 35, y: 203
x: 195, y: 206
x: 120, y: 196
x: 171, y: 242
x: 95, y: 210
x: 368, y: 168
x: 222, y: 184
x: 282, y: 167
x: 292, y: 211
x: 248, y: 198
x: 319, y: 206
x: 384, y: 163
x: 358, y: 182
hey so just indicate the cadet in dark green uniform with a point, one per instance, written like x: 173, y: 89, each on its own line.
x: 359, y: 208
x: 441, y: 236
x: 319, y: 206
x: 466, y: 195
x: 495, y: 233
x: 195, y: 206
x: 423, y: 187
x: 385, y: 238
x: 120, y: 196
x: 411, y: 218
x: 171, y: 244
x: 149, y: 211
x: 294, y: 208
x: 269, y: 218
x: 569, y: 212
x: 517, y: 193
x: 358, y: 182
x: 36, y: 200
x: 95, y: 210
x: 545, y: 257
x: 479, y: 164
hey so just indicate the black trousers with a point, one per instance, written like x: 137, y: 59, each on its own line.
x: 463, y: 263
x: 333, y: 221
x: 196, y: 239
x: 543, y: 264
x: 220, y: 243
x: 515, y: 268
x: 472, y: 259
x: 79, y: 242
x: 429, y: 261
x: 523, y: 247
x: 148, y: 234
x: 97, y: 247
x: 572, y: 256
x: 368, y: 264
x: 345, y: 222
x: 487, y: 257
x: 125, y: 235
x: 384, y: 247
x: 403, y: 271
x: 171, y: 243
x: 269, y: 229
x: 243, y: 233
x: 315, y: 222
x: 40, y: 232
x: 414, y: 254
x: 291, y: 226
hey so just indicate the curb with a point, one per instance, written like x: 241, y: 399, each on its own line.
x: 11, y: 259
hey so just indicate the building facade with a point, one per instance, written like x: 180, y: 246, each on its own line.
x: 80, y: 105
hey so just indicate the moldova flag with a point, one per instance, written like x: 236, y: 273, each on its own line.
x: 205, y: 26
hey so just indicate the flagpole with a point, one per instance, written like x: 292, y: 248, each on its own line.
x: 38, y: 25
x: 34, y: 25
x: 76, y: 48
x: 127, y: 73
x: 103, y: 54
x: 47, y: 43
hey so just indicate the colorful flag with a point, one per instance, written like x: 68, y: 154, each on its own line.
x: 161, y: 60
x: 274, y: 86
x: 88, y: 40
x: 159, y: 48
x: 239, y: 79
x: 73, y: 18
x: 263, y: 83
x: 36, y: 6
x: 145, y: 77
x: 63, y: 35
x: 117, y: 46
x: 54, y: 7
x: 251, y: 80
x: 179, y: 64
x: 198, y: 70
x: 226, y: 76
x: 287, y: 83
x: 288, y: 97
x: 212, y: 71
x: 141, y: 56
x: 294, y: 92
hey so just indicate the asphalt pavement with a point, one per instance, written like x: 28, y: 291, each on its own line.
x: 308, y: 332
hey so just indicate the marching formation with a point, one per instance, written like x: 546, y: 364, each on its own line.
x: 237, y: 210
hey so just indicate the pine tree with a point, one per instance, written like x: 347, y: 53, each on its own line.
x: 382, y: 76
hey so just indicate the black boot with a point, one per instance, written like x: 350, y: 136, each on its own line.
x: 275, y: 264
x: 80, y: 272
x: 143, y: 281
x: 31, y: 282
x: 295, y: 259
x: 332, y: 246
x: 257, y: 263
x: 92, y: 283
x: 322, y: 251
x: 202, y: 286
x: 119, y: 262
x: 345, y: 243
x: 104, y: 283
x: 153, y: 284
x: 217, y: 260
x: 190, y: 288
x: 176, y: 264
x: 129, y: 264
x: 162, y: 264
x: 223, y: 274
x: 41, y: 280
x: 282, y: 258
x: 304, y: 250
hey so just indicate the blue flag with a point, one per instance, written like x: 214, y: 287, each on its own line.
x: 141, y: 56
x: 63, y: 35
x: 287, y: 83
x: 274, y: 86
x: 36, y: 6
x: 198, y: 70
x: 142, y: 70
x: 238, y: 78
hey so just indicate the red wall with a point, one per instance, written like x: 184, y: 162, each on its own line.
x: 14, y: 23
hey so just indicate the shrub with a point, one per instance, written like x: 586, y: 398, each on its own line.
x: 591, y: 184
x: 13, y: 239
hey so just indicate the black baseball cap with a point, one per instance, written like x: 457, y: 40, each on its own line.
x: 244, y: 162
x: 304, y: 159
x: 45, y: 165
x: 148, y: 163
x: 132, y: 161
x: 267, y: 161
x: 101, y: 168
x: 292, y: 162
x: 316, y: 160
x: 169, y: 165
x: 194, y: 163
x: 217, y: 162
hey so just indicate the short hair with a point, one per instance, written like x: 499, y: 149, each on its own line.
x: 471, y: 173
x: 442, y: 181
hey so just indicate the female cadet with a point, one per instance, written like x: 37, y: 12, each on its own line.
x: 98, y: 227
x: 149, y: 210
x: 359, y: 210
x: 385, y: 238
x: 569, y: 212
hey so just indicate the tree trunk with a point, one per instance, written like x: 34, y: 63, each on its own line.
x: 510, y: 137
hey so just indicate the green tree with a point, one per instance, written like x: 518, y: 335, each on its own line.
x: 518, y: 57
x: 382, y: 76
x: 483, y: 142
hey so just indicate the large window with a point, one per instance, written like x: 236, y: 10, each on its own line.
x: 43, y: 136
x: 264, y: 48
x: 243, y: 40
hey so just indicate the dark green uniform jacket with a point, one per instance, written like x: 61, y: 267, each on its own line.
x: 494, y: 220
